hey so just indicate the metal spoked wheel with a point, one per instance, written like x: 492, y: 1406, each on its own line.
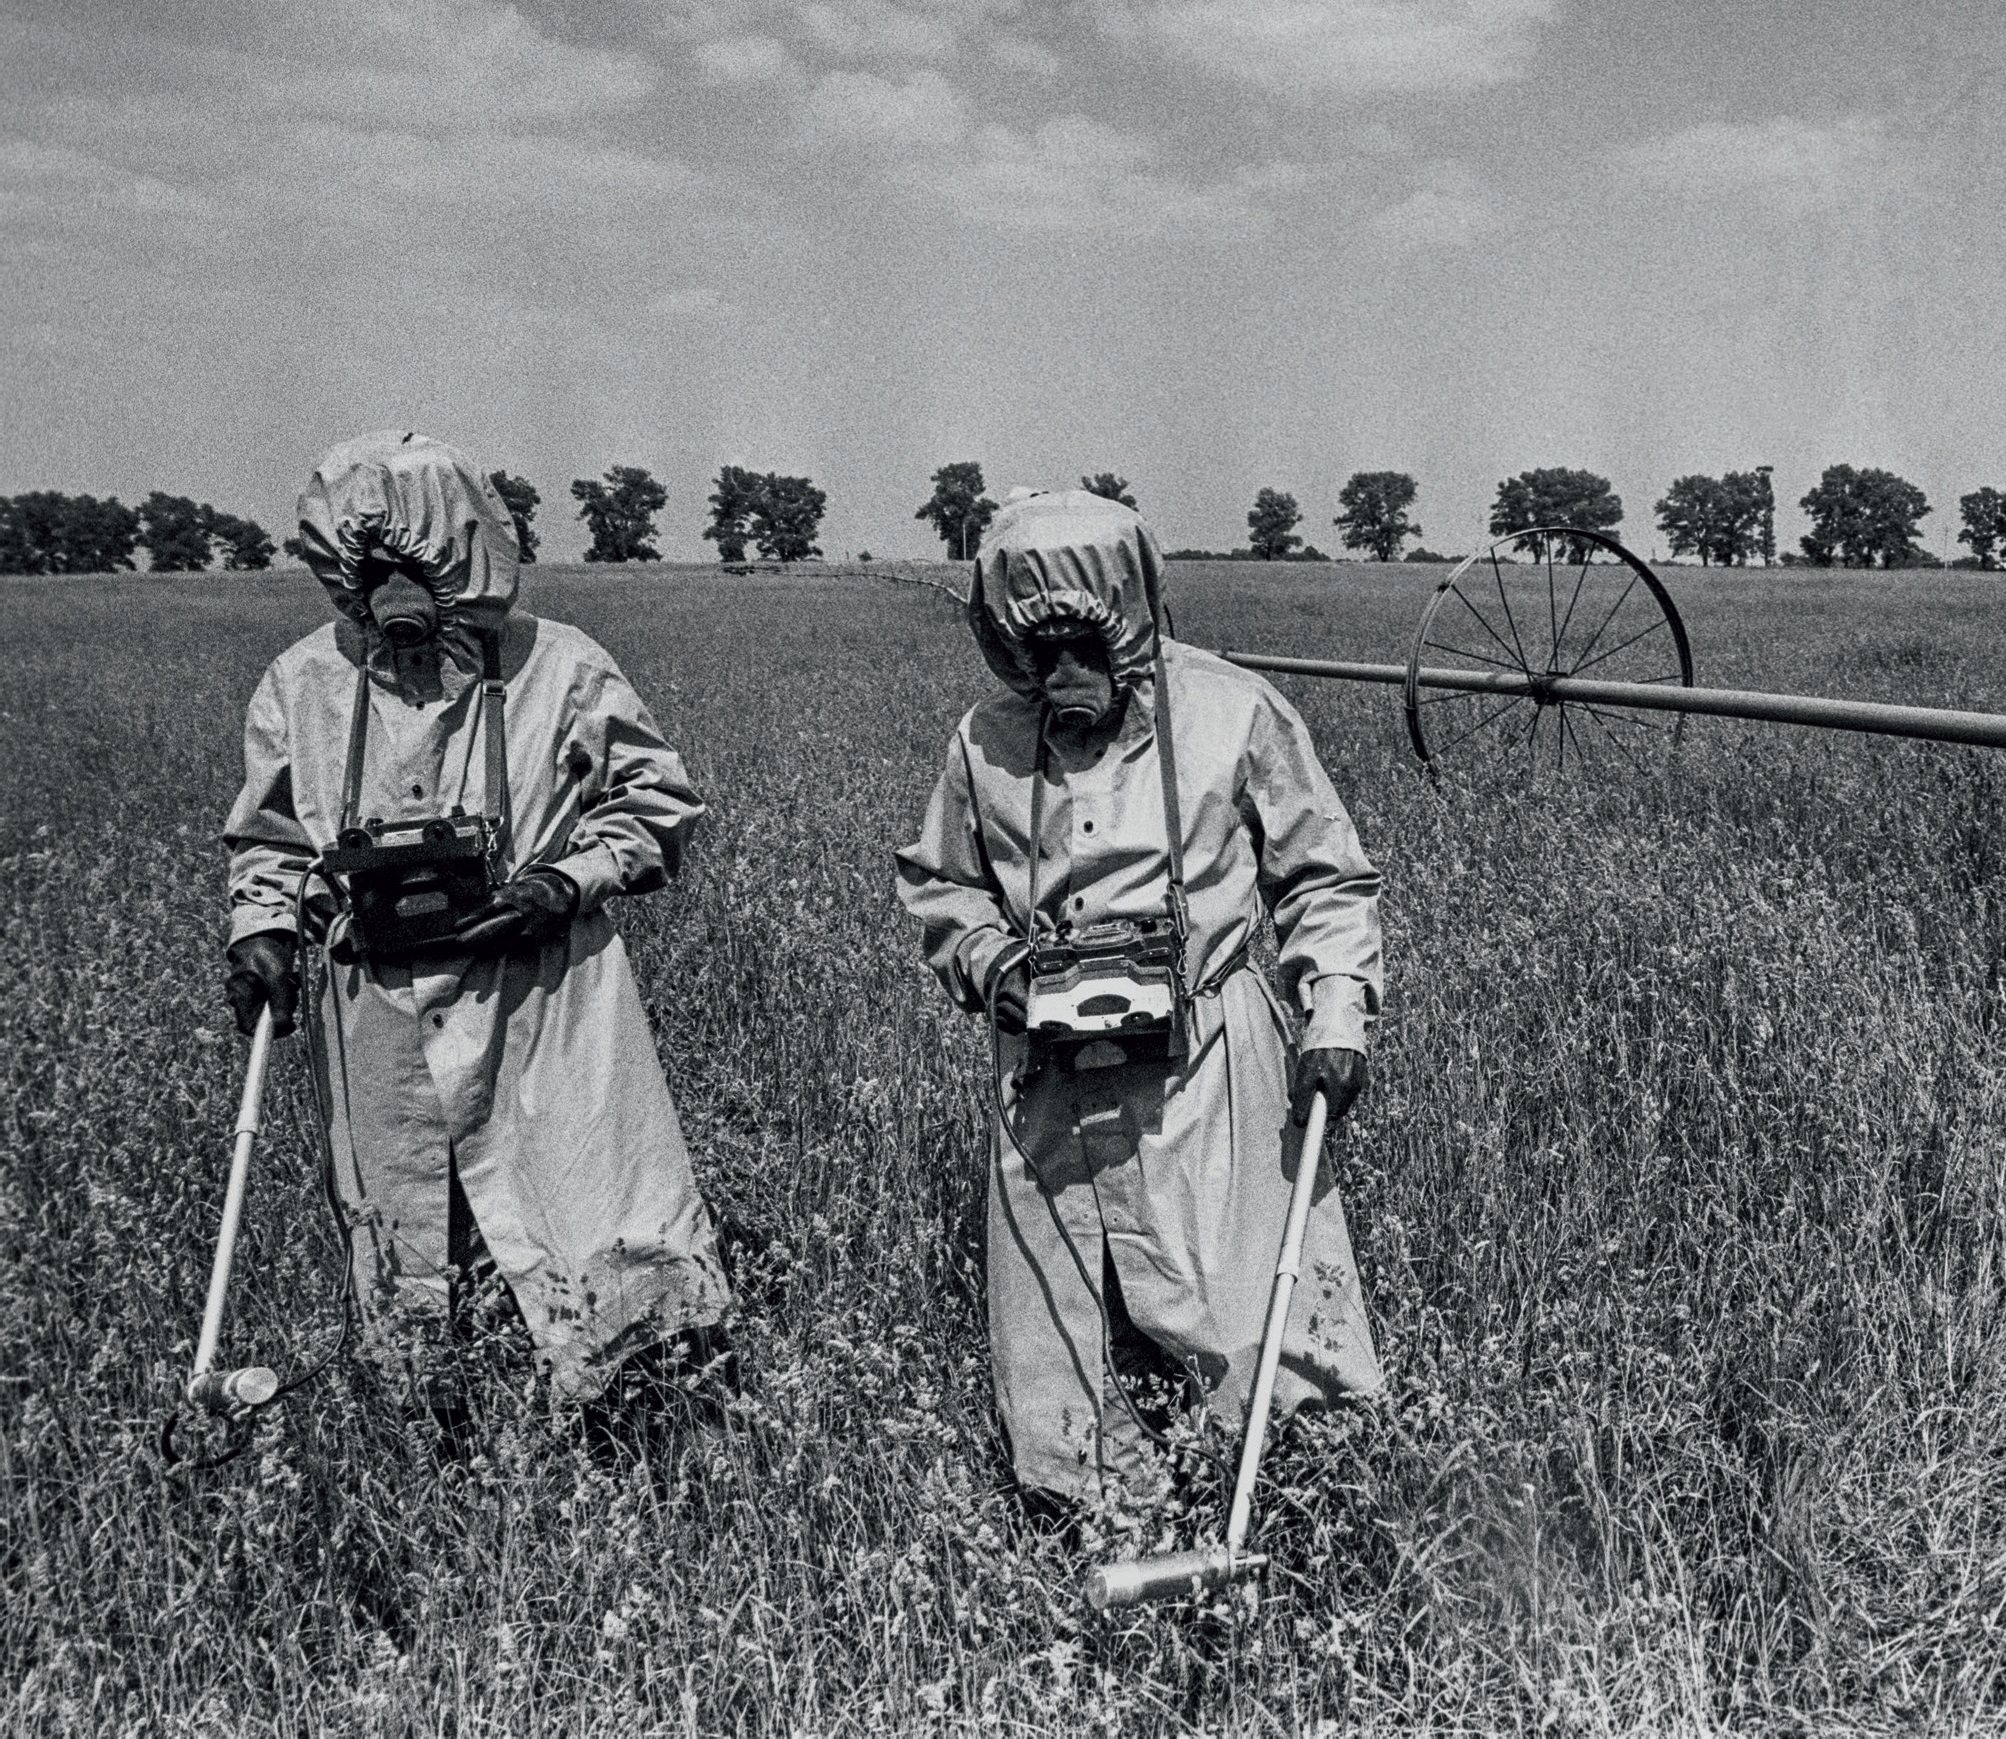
x: 1548, y: 603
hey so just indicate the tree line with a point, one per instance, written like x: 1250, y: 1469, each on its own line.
x: 776, y: 515
x: 1860, y: 517
x: 46, y: 532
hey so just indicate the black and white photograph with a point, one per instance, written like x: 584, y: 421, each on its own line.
x: 1002, y: 868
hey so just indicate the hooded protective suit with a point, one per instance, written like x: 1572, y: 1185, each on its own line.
x: 1177, y: 1175
x: 532, y: 1072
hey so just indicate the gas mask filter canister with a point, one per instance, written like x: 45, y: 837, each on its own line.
x: 404, y: 610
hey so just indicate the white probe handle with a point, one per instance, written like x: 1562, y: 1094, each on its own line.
x: 1286, y: 1266
x: 250, y: 1114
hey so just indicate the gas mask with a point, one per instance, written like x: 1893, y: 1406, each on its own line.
x: 1074, y: 676
x: 403, y: 609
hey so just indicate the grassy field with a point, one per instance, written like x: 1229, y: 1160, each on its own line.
x: 1678, y: 1194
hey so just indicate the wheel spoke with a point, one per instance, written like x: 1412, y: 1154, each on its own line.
x: 1465, y: 652
x: 1510, y: 620
x: 1504, y: 645
x: 1652, y: 628
x: 1567, y: 621
x: 1614, y: 741
x: 1636, y: 724
x: 1494, y: 713
x: 1552, y: 617
x: 1606, y: 620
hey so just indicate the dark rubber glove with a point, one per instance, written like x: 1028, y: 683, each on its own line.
x: 1341, y: 1075
x: 1008, y: 997
x: 264, y: 968
x: 535, y: 908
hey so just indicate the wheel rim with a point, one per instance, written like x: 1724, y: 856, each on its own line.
x: 1554, y: 601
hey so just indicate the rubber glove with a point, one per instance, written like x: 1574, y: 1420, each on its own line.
x: 1008, y: 998
x: 1341, y: 1075
x: 264, y: 968
x: 536, y: 907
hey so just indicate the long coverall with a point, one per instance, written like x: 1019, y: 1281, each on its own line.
x: 1180, y: 1173
x: 532, y: 1073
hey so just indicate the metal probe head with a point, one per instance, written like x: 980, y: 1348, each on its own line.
x: 1164, y: 1578
x: 226, y: 1391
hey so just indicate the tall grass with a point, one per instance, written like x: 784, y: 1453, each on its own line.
x: 1678, y: 1195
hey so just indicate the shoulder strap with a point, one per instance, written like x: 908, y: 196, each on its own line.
x: 1166, y: 761
x: 1173, y: 809
x: 358, y: 737
x: 495, y: 723
x: 1037, y: 823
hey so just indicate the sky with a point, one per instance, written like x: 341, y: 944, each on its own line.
x: 1212, y: 245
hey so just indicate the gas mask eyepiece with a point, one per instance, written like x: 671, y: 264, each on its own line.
x: 404, y: 610
x: 1073, y: 672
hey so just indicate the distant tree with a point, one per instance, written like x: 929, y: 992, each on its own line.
x: 46, y: 532
x: 1689, y: 515
x: 519, y: 496
x: 1556, y: 496
x: 1862, y: 516
x: 959, y: 510
x: 621, y: 513
x: 1271, y: 525
x: 1106, y: 483
x: 731, y: 505
x: 1984, y: 513
x: 1719, y: 519
x: 1417, y: 554
x: 245, y: 543
x: 295, y: 548
x: 1747, y: 518
x: 1375, y: 507
x: 21, y: 545
x: 786, y: 517
x: 175, y: 531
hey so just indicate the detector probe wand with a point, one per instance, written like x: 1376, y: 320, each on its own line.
x: 212, y: 1390
x: 237, y: 1395
x: 1208, y: 1567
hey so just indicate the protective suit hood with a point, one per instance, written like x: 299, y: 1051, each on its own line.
x: 1066, y: 555
x: 415, y: 501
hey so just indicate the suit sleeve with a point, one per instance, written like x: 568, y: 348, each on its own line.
x: 269, y: 849
x: 637, y: 807
x: 1317, y: 881
x: 945, y: 881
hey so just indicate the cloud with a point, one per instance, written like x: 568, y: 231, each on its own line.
x: 874, y: 29
x: 1361, y: 47
x: 1450, y: 209
x: 891, y: 33
x: 1021, y: 54
x: 36, y: 177
x: 915, y: 114
x: 746, y: 59
x: 1066, y: 172
x: 1788, y: 164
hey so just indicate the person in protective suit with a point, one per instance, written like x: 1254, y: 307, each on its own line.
x: 496, y: 1095
x: 1153, y: 1189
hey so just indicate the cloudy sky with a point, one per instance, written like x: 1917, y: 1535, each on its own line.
x: 1211, y: 244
